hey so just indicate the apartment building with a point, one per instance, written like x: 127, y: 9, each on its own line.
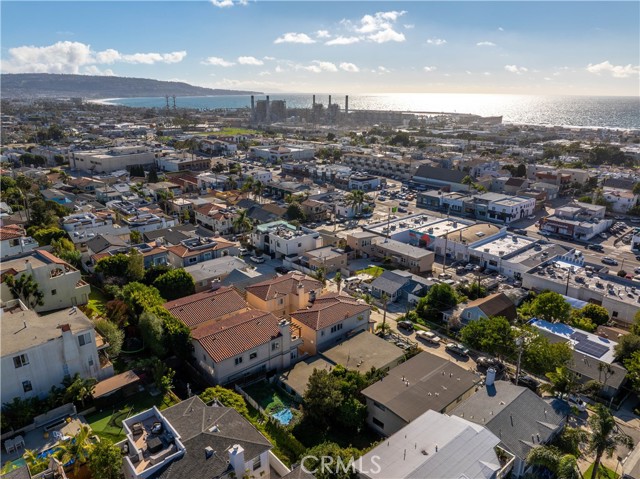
x: 280, y: 238
x: 197, y: 250
x: 14, y: 242
x: 284, y: 294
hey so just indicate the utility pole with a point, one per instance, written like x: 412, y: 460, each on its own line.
x: 389, y: 222
x: 444, y: 262
x: 520, y: 344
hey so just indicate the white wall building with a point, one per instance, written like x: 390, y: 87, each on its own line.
x: 14, y: 242
x: 283, y: 239
x: 38, y: 352
x: 106, y: 160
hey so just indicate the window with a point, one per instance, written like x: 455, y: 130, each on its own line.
x: 26, y: 386
x: 84, y: 339
x: 193, y: 260
x: 19, y: 361
x: 253, y: 355
x: 336, y: 328
x: 280, y: 300
x: 275, y: 346
x: 239, y: 360
x: 614, y: 314
x: 54, y: 292
x: 299, y: 245
x: 90, y: 361
x: 378, y: 423
x: 257, y: 464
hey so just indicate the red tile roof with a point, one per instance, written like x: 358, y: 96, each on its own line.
x: 283, y: 285
x: 227, y: 338
x: 328, y: 310
x: 203, y: 307
x: 11, y: 232
x: 50, y: 257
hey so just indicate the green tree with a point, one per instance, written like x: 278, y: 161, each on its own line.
x: 441, y: 297
x: 25, y: 288
x: 635, y: 327
x: 342, y: 464
x: 472, y: 290
x: 627, y: 345
x: 563, y: 466
x: 154, y: 272
x: 113, y: 335
x: 338, y: 280
x: 226, y: 397
x: 258, y: 189
x: 491, y: 335
x: 152, y: 330
x: 105, y: 460
x: 76, y: 449
x: 63, y: 248
x: 242, y: 223
x: 540, y: 356
x: 562, y: 381
x: 632, y: 363
x: 605, y: 436
x: 135, y: 237
x: 175, y: 284
x: 295, y: 212
x: 79, y: 389
x: 551, y: 306
x: 45, y: 236
x: 153, y: 176
x: 140, y: 297
x: 135, y: 265
x: 113, y: 266
x: 356, y: 199
x: 177, y: 335
x: 321, y: 397
x: 521, y: 171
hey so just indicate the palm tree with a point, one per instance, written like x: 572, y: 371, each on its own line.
x: 320, y: 275
x: 242, y: 222
x: 467, y: 180
x: 355, y: 199
x: 77, y: 449
x: 230, y: 184
x: 605, y: 436
x: 563, y: 381
x: 258, y: 189
x: 385, y: 300
x: 563, y: 466
x: 247, y: 186
x: 338, y: 280
x: 164, y: 197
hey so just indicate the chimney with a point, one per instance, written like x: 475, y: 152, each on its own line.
x: 28, y: 266
x: 346, y: 104
x: 491, y: 377
x: 236, y: 459
x: 208, y: 452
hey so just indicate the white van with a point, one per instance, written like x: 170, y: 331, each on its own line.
x: 243, y: 252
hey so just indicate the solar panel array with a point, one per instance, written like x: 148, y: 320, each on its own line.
x: 578, y: 336
x: 591, y: 348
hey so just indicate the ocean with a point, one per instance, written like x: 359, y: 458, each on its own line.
x: 575, y: 111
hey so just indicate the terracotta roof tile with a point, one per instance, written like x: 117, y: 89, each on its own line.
x: 283, y: 285
x: 229, y: 337
x: 203, y: 307
x: 10, y: 232
x: 328, y: 310
x: 182, y: 251
x: 50, y: 257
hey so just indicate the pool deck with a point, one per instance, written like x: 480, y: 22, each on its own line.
x: 36, y: 440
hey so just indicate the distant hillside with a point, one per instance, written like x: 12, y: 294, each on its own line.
x: 22, y: 85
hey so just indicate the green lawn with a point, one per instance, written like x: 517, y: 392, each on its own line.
x: 603, y: 473
x: 97, y: 302
x: 374, y: 271
x: 108, y: 422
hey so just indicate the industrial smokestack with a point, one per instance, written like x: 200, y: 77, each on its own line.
x: 314, y: 100
x: 346, y: 104
x: 268, y: 109
x: 253, y: 104
x: 329, y: 100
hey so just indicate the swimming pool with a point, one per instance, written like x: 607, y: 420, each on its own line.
x: 284, y: 416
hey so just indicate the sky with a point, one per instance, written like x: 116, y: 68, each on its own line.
x: 548, y: 47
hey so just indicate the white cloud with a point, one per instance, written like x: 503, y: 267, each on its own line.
x: 388, y: 35
x: 319, y: 67
x: 323, y: 34
x: 264, y: 74
x: 547, y: 79
x: 217, y: 62
x: 485, y: 44
x: 382, y: 69
x: 516, y: 69
x: 279, y: 69
x: 430, y: 69
x: 409, y: 26
x: 292, y: 37
x: 343, y: 41
x: 349, y: 67
x: 70, y: 57
x: 468, y: 72
x: 500, y: 29
x: 94, y: 70
x: 268, y: 58
x: 436, y: 41
x: 228, y: 3
x: 249, y: 61
x: 617, y: 71
x: 487, y: 74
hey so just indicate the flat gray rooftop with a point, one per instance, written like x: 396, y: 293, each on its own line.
x: 363, y: 352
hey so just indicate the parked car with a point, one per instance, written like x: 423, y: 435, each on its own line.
x: 486, y: 362
x: 609, y: 261
x: 603, y: 235
x: 401, y: 209
x: 281, y: 270
x: 444, y: 276
x: 405, y: 325
x: 531, y: 217
x: 257, y: 259
x: 428, y: 336
x: 529, y: 382
x: 595, y: 247
x: 502, y: 278
x: 521, y: 231
x: 469, y: 267
x: 457, y: 348
x: 576, y: 402
x: 403, y: 203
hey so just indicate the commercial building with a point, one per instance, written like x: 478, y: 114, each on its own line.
x: 106, y: 160
x: 282, y: 153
